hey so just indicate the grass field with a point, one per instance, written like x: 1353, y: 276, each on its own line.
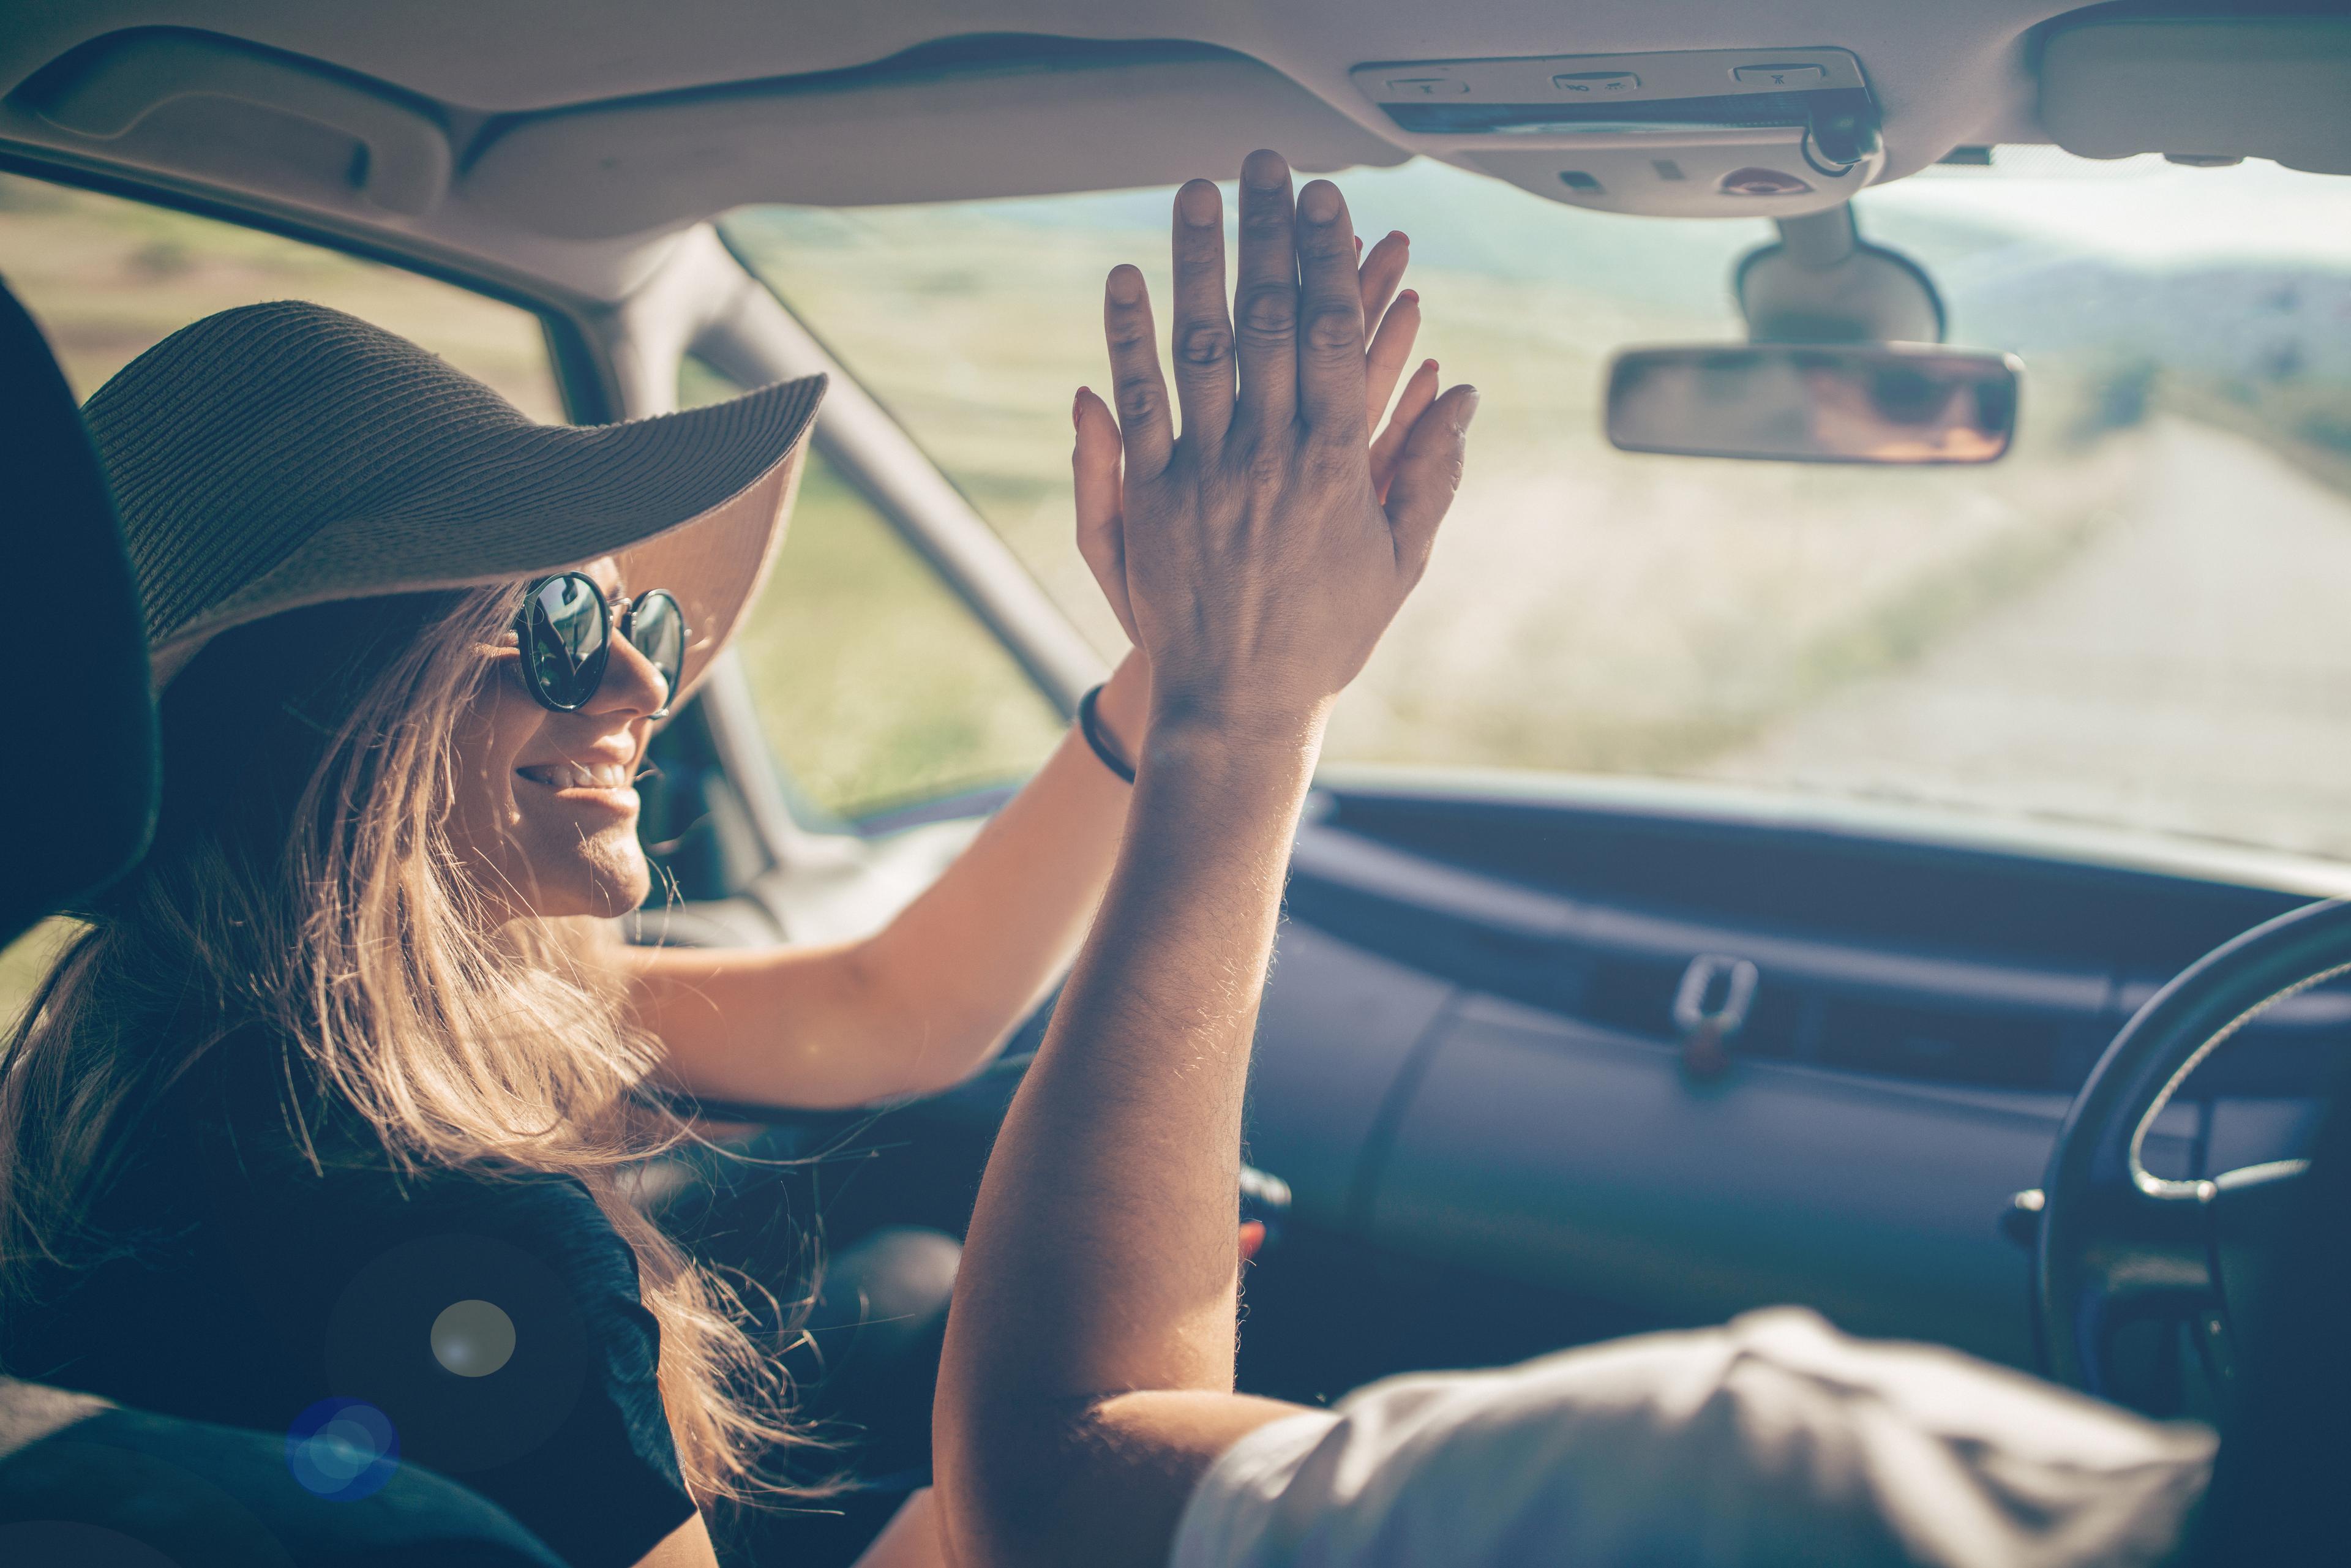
x: 106, y: 278
x: 875, y: 683
x: 1586, y: 609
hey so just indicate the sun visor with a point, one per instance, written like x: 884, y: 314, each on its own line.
x: 2277, y: 87
x: 1067, y: 120
x: 1009, y: 115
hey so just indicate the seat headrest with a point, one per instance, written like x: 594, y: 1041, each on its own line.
x: 77, y: 801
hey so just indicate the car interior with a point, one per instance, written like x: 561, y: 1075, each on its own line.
x: 1853, y: 819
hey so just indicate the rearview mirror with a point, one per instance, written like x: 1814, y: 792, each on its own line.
x: 1827, y: 402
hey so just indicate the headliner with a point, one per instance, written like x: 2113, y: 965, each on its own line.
x: 584, y: 130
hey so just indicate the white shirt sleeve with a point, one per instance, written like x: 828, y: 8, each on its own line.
x: 1773, y: 1440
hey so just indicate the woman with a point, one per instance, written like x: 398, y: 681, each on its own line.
x: 322, y: 1124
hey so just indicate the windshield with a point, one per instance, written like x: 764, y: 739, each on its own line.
x: 2134, y: 620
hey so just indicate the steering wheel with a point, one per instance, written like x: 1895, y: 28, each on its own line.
x: 2117, y: 1243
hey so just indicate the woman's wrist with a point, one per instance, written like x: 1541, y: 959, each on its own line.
x: 1122, y: 712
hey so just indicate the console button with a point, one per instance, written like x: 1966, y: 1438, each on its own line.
x: 1753, y: 182
x: 1594, y: 83
x: 1779, y: 76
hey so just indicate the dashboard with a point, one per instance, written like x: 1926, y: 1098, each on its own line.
x: 1468, y: 1054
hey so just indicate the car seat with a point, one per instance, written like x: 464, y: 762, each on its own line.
x: 83, y: 1482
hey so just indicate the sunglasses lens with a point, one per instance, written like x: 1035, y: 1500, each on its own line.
x: 564, y: 639
x: 657, y: 628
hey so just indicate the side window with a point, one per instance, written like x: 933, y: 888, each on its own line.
x: 876, y: 685
x: 107, y: 279
x: 24, y: 962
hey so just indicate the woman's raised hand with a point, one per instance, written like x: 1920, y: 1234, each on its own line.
x: 1256, y: 556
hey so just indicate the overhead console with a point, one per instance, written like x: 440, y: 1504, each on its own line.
x: 1692, y: 134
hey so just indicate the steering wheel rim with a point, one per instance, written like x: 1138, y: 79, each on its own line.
x: 2114, y: 1241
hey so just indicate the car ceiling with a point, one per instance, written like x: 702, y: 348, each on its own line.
x: 521, y: 55
x: 571, y: 135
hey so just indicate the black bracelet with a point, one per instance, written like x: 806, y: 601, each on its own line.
x: 1089, y: 726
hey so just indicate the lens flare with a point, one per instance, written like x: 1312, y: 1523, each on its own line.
x: 473, y: 1338
x: 343, y: 1448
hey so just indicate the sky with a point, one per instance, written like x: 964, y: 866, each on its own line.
x: 2140, y: 211
x: 2147, y: 212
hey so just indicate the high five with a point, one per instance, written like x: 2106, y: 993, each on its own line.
x: 1089, y: 1369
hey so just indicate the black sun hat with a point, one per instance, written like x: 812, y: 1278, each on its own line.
x: 284, y: 454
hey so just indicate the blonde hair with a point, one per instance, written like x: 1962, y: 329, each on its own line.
x: 462, y: 1040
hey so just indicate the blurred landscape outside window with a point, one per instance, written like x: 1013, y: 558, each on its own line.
x: 107, y: 279
x: 875, y: 683
x: 2131, y: 622
x: 878, y: 685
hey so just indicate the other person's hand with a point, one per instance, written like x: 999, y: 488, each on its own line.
x: 1256, y: 556
x: 1392, y: 319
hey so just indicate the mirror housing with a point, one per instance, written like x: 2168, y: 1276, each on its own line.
x: 1822, y: 283
x: 1886, y: 403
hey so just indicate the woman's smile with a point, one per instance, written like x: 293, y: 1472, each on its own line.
x: 601, y: 780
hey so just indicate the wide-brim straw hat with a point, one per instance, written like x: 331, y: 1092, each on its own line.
x: 279, y: 455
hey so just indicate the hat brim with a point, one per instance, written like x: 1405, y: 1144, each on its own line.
x: 692, y: 502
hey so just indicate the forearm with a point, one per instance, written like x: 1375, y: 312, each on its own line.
x: 974, y: 955
x: 1087, y: 1380
x: 779, y: 1026
x: 1100, y: 1258
x: 924, y: 1002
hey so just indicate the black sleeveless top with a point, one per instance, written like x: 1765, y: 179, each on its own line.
x: 493, y: 1323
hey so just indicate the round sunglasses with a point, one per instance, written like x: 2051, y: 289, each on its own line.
x: 566, y: 632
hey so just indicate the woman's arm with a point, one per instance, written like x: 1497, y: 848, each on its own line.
x: 687, y: 1546
x: 933, y: 996
x: 927, y: 1000
x: 1087, y: 1382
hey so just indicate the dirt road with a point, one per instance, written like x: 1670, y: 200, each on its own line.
x: 2189, y: 671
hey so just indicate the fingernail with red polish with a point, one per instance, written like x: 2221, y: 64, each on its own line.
x: 1409, y: 296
